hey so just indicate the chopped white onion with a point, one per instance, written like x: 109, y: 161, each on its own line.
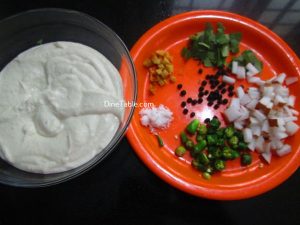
x: 267, y: 156
x: 228, y: 79
x: 240, y: 92
x: 291, y: 100
x: 259, y: 145
x: 238, y: 125
x: 252, y: 69
x: 241, y: 72
x: 284, y: 150
x: 234, y: 67
x: 280, y: 78
x: 252, y: 104
x: 245, y: 99
x: 247, y: 133
x: 291, y: 80
x: 256, y: 80
x: 291, y: 128
x: 232, y: 114
x: 259, y: 115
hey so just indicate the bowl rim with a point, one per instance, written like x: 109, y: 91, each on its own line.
x: 161, y: 171
x: 119, y: 134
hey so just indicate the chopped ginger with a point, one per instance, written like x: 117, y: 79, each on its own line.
x: 160, y: 69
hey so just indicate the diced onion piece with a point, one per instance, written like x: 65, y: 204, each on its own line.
x: 265, y: 126
x: 289, y: 119
x: 280, y: 135
x: 252, y: 69
x: 284, y: 150
x: 228, y: 79
x: 241, y: 72
x: 267, y: 156
x: 259, y: 115
x: 291, y: 80
x: 295, y: 112
x: 280, y: 78
x: 259, y: 145
x: 247, y: 133
x: 245, y: 99
x: 240, y: 92
x: 238, y: 125
x: 291, y: 100
x: 251, y: 145
x: 232, y: 114
x: 282, y: 91
x: 268, y: 91
x: 276, y: 144
x: 253, y: 120
x: 254, y: 93
x: 235, y: 102
x: 291, y: 128
x: 278, y: 100
x: 252, y: 104
x: 256, y: 130
x: 234, y: 67
x: 255, y: 80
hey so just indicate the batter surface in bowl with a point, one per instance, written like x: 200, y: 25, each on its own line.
x: 53, y: 115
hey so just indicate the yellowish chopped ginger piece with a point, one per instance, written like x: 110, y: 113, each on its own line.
x: 160, y: 69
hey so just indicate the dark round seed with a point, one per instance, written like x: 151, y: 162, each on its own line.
x: 210, y: 103
x: 215, y: 117
x: 183, y: 104
x: 179, y: 86
x: 204, y: 83
x: 219, y: 101
x: 213, y: 86
x: 206, y: 92
x: 200, y: 100
x: 223, y: 91
x: 183, y: 93
x: 192, y: 114
x: 194, y: 102
x: 231, y: 87
x: 230, y: 94
x: 225, y: 101
x: 220, y: 87
x: 207, y: 77
x: 201, y: 94
x: 185, y: 111
x: 200, y: 71
x: 216, y: 106
x: 189, y: 100
x: 201, y: 89
x: 207, y: 120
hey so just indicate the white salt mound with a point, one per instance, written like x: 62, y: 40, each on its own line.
x: 156, y: 117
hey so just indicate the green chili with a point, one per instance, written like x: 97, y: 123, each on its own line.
x: 246, y: 159
x: 160, y: 141
x: 229, y: 132
x: 180, y: 151
x: 202, y: 129
x: 219, y: 164
x: 183, y: 137
x: 192, y: 126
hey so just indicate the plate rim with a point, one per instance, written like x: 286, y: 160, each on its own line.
x: 225, y: 194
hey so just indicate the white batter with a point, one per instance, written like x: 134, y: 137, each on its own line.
x: 52, y: 112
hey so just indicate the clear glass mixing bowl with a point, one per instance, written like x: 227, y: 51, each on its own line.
x: 28, y: 29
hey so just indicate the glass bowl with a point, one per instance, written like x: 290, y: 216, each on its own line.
x: 30, y: 28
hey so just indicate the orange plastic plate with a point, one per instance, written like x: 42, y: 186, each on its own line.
x: 236, y: 182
